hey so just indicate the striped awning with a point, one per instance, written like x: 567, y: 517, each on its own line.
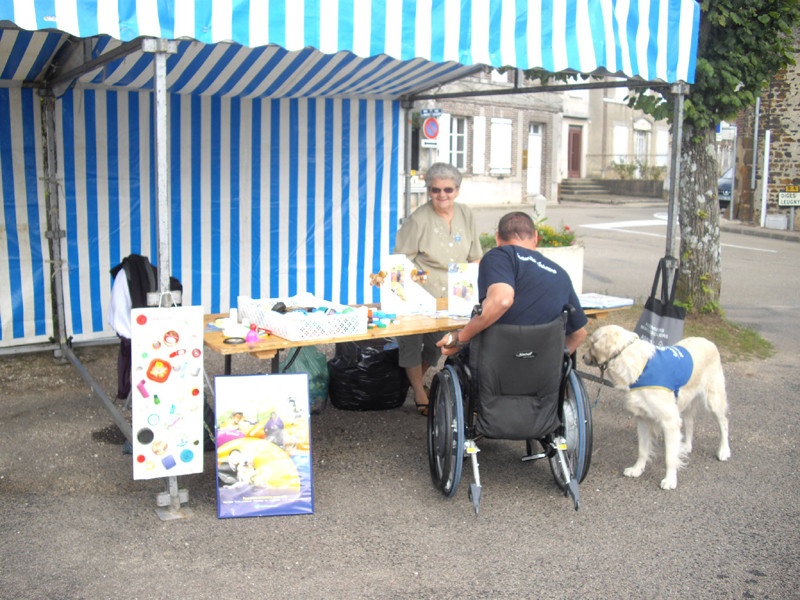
x: 383, y: 47
x: 285, y: 132
x: 226, y: 69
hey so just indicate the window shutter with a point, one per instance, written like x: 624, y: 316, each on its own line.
x: 500, y: 149
x: 478, y: 145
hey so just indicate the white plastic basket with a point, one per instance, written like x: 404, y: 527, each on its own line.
x: 295, y: 326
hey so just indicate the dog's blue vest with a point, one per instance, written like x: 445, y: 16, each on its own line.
x: 670, y: 368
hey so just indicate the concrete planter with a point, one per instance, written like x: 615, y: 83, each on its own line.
x: 569, y: 258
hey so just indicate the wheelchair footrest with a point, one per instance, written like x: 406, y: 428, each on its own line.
x: 534, y: 456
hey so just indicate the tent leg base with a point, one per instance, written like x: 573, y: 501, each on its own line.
x: 169, y: 514
x: 172, y: 500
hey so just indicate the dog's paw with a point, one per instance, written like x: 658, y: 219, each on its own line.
x: 686, y: 448
x: 724, y: 454
x: 633, y: 471
x: 669, y: 483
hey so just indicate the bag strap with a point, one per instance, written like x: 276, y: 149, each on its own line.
x: 667, y: 297
x: 670, y: 299
x: 657, y: 278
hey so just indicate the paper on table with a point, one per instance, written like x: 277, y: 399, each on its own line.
x: 592, y: 300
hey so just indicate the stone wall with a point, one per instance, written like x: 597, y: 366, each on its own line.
x: 780, y: 113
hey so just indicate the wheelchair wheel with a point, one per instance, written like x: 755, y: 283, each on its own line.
x: 577, y: 431
x: 446, y: 431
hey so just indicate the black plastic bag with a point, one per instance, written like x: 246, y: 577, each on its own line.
x: 365, y: 375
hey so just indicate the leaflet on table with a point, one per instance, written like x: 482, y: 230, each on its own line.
x: 263, y: 445
x: 400, y: 294
x: 462, y: 288
x: 592, y: 300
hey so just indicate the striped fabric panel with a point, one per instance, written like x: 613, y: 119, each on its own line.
x: 269, y: 197
x: 24, y: 271
x: 653, y: 39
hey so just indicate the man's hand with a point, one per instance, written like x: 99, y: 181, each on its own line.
x: 450, y: 344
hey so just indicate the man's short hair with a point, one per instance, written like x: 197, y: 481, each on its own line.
x: 516, y: 225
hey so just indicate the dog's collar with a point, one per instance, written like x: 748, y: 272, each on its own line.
x: 604, y: 366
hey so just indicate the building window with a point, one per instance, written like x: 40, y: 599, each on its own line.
x: 641, y: 142
x: 458, y: 143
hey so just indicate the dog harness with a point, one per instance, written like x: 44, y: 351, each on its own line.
x: 670, y: 368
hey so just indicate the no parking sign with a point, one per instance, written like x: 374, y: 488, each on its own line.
x: 430, y: 128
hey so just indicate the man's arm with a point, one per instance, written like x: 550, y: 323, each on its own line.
x: 575, y: 338
x: 499, y: 298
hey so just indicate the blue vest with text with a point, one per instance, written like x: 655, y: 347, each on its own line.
x: 670, y: 368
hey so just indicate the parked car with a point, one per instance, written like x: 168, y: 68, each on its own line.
x: 725, y: 188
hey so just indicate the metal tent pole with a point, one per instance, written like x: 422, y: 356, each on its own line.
x: 407, y: 106
x: 680, y: 89
x: 161, y: 48
x: 54, y: 231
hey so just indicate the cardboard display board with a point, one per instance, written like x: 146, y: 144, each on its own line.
x: 167, y: 391
x: 400, y: 294
x: 263, y: 445
x: 462, y: 288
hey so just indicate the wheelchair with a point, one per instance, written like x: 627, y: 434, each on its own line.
x: 515, y: 383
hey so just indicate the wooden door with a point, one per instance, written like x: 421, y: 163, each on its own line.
x: 574, y: 151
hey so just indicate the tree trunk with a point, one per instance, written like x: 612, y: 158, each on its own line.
x: 699, y: 275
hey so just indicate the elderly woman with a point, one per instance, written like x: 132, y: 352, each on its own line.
x: 438, y: 233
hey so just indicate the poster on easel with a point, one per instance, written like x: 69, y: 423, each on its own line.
x: 263, y: 445
x: 167, y: 391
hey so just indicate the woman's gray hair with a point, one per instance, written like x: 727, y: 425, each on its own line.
x: 442, y: 170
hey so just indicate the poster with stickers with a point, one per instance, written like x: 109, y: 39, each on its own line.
x: 167, y: 391
x: 263, y: 445
x: 462, y: 288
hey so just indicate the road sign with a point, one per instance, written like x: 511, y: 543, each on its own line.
x: 788, y: 198
x: 430, y: 128
x: 430, y: 112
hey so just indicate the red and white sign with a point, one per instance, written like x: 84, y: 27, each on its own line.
x: 430, y: 128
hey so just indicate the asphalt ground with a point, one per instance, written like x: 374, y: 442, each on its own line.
x: 75, y: 525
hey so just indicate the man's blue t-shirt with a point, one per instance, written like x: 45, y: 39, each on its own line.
x: 541, y: 287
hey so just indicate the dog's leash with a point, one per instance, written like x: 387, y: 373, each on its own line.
x: 602, y: 383
x: 602, y: 380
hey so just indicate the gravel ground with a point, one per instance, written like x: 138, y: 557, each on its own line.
x: 75, y: 524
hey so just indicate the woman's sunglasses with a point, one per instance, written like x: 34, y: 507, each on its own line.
x: 447, y: 190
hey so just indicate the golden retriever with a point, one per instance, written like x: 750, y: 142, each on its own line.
x: 660, y: 405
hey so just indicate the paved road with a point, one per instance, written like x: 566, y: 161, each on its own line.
x: 74, y: 524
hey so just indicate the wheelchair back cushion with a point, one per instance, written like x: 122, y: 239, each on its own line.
x: 517, y: 377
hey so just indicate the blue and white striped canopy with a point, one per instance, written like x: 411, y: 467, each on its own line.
x: 651, y: 39
x: 285, y: 132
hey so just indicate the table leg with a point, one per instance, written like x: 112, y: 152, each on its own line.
x: 228, y: 358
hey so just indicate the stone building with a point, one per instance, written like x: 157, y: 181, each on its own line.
x: 506, y: 145
x: 520, y: 147
x: 779, y: 113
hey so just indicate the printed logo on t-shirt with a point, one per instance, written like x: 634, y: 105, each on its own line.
x: 537, y: 263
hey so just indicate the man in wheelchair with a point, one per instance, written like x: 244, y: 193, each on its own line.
x: 516, y: 380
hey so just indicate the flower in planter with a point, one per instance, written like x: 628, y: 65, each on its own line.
x: 549, y: 237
